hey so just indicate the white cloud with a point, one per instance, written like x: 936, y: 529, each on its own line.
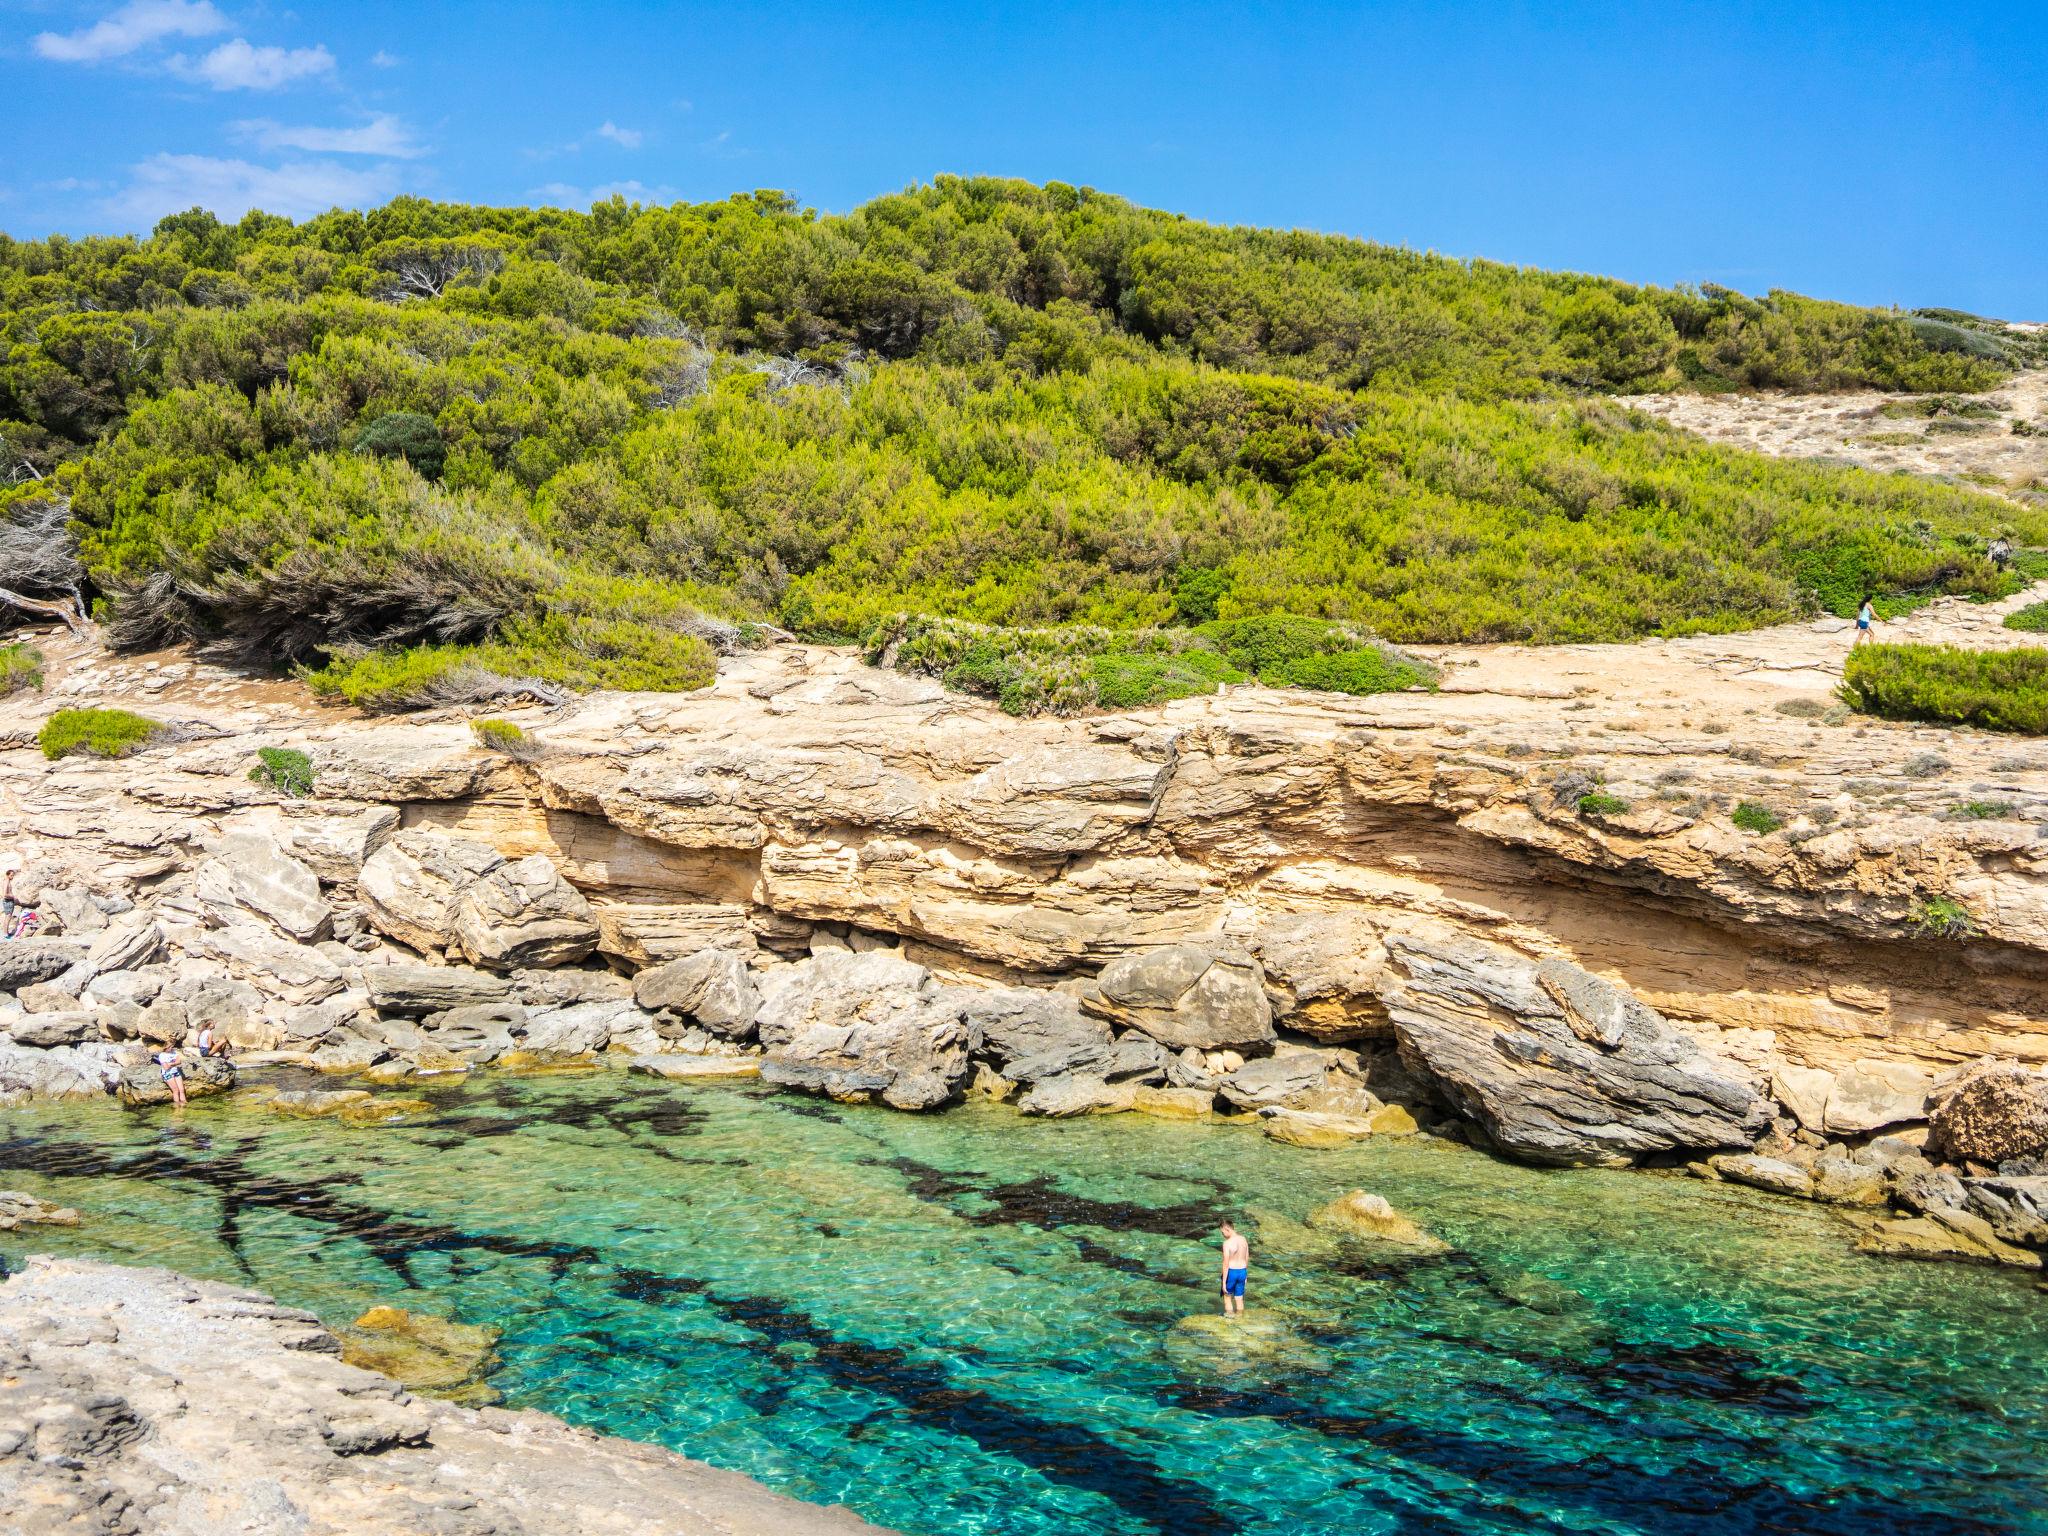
x: 136, y: 25
x: 230, y: 188
x: 242, y: 66
x: 385, y: 60
x: 384, y: 134
x: 560, y: 194
x: 625, y: 138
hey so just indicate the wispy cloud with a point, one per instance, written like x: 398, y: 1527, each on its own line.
x: 230, y: 188
x: 384, y: 134
x: 625, y: 138
x: 385, y: 60
x: 560, y: 194
x: 242, y: 66
x: 135, y: 25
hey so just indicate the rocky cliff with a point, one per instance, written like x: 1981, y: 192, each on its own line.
x: 1526, y: 897
x: 135, y: 1401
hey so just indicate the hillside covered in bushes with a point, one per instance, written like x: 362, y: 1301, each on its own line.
x: 424, y: 449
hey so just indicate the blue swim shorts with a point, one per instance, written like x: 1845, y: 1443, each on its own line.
x: 1233, y: 1282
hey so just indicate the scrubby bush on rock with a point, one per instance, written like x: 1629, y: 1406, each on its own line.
x: 96, y: 732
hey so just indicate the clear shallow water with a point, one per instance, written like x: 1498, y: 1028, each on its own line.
x: 973, y: 1323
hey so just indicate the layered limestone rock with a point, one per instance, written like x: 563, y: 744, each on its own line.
x: 136, y: 1400
x: 1558, y: 1066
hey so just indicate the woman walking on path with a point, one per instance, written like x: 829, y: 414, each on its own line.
x: 1865, y: 617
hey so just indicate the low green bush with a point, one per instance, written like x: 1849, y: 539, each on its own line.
x: 21, y: 666
x: 96, y: 732
x: 1998, y: 690
x: 285, y: 769
x: 1752, y: 817
x: 1068, y: 668
x: 1600, y: 803
x: 1942, y: 917
x: 505, y: 738
x: 1984, y: 810
x: 2032, y: 619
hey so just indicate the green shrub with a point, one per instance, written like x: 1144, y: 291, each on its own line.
x: 406, y: 435
x: 506, y: 739
x: 1999, y: 690
x: 21, y: 667
x: 1600, y: 803
x: 1070, y: 668
x: 1984, y: 810
x: 1752, y: 817
x: 285, y: 769
x: 2032, y: 619
x: 1942, y: 917
x: 96, y: 732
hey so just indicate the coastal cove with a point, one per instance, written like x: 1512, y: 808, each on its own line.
x: 972, y: 1322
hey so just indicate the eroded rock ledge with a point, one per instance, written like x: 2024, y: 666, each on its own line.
x: 1299, y: 906
x: 139, y: 1401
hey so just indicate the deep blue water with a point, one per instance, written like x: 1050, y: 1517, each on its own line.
x: 975, y: 1323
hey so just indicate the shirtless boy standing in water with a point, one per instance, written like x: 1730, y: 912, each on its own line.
x: 1237, y: 1258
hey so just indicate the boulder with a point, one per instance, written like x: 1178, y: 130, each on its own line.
x: 477, y: 1032
x: 2015, y: 1205
x: 46, y: 997
x: 126, y: 946
x: 1324, y: 973
x: 1301, y: 1128
x: 140, y: 1087
x: 1361, y: 1214
x: 63, y: 1072
x: 1993, y: 1113
x: 1209, y: 995
x: 409, y: 886
x: 250, y: 877
x: 1558, y: 1066
x: 1060, y: 1098
x: 1869, y: 1095
x: 44, y: 1030
x: 1841, y: 1178
x: 336, y: 847
x: 714, y: 988
x: 1272, y: 1080
x: 865, y: 1026
x: 1173, y: 1103
x: 579, y: 1028
x: 138, y: 986
x: 274, y: 966
x: 1804, y: 1093
x: 414, y: 990
x: 1945, y: 1234
x: 1029, y: 1024
x: 1769, y: 1173
x: 18, y: 1209
x: 522, y: 913
x: 25, y: 961
x: 559, y: 989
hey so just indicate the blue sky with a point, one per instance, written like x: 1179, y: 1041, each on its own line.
x: 1873, y: 152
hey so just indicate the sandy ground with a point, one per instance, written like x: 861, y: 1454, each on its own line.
x: 1852, y: 428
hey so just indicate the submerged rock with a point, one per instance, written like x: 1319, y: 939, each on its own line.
x: 1558, y: 1066
x: 429, y: 1354
x: 1362, y: 1214
x: 1302, y: 1128
x: 24, y: 1210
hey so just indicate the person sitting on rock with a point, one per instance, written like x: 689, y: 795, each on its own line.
x: 25, y: 926
x: 211, y: 1044
x: 172, y: 1068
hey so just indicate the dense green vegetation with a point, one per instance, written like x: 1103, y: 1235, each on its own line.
x: 1080, y: 666
x: 1752, y: 817
x: 2032, y: 619
x: 434, y: 453
x: 285, y: 769
x: 96, y: 732
x: 1999, y: 690
x: 21, y: 667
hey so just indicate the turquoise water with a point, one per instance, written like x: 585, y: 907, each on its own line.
x: 971, y: 1322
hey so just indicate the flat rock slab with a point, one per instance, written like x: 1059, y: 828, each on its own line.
x: 148, y: 1397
